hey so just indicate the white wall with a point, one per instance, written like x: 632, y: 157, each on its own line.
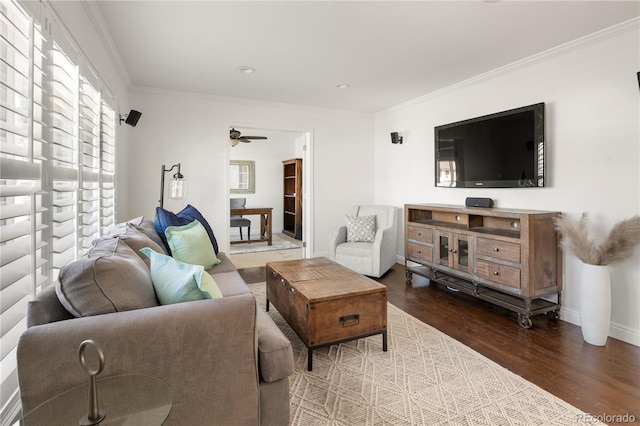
x: 592, y: 137
x: 268, y: 156
x: 194, y: 131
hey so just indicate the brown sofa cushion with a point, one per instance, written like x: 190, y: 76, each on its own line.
x: 111, y: 278
x: 275, y: 356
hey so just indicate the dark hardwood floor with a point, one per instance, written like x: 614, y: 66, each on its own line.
x: 598, y: 380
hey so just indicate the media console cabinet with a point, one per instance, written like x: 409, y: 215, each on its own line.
x: 508, y: 257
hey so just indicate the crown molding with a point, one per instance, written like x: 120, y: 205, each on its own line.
x: 623, y: 27
x: 246, y: 101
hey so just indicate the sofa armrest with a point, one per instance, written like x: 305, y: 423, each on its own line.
x: 274, y: 350
x: 205, y: 350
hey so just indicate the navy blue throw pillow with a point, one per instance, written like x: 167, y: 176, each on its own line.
x: 165, y: 218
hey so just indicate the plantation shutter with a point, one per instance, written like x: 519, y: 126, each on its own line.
x: 64, y: 171
x: 90, y: 159
x: 57, y: 173
x: 23, y: 265
x: 107, y: 166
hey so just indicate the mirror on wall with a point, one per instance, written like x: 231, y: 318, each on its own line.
x: 242, y: 177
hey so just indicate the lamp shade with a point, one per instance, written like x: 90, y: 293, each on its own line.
x: 177, y: 188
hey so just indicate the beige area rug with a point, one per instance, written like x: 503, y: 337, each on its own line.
x: 425, y: 378
x: 278, y: 242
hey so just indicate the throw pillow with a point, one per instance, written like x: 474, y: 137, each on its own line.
x: 110, y: 278
x: 136, y: 239
x: 177, y: 282
x: 209, y: 287
x: 165, y: 218
x: 361, y: 228
x: 191, y: 213
x: 146, y: 227
x: 190, y: 244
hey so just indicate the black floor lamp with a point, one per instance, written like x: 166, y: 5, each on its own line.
x: 176, y: 185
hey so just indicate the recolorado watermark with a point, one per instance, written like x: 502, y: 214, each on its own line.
x: 605, y: 418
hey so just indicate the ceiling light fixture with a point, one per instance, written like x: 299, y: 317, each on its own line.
x: 342, y: 86
x: 245, y: 69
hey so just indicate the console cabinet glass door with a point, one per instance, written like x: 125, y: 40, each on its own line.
x: 454, y: 250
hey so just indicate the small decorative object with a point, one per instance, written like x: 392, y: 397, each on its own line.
x: 596, y: 256
x: 94, y: 415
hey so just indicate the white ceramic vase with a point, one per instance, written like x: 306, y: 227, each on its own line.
x: 595, y: 303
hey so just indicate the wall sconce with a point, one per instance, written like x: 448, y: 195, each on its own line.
x: 396, y: 138
x: 131, y: 119
x: 176, y: 186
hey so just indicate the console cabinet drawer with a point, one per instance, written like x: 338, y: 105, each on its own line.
x: 417, y: 251
x: 501, y: 274
x: 417, y: 233
x: 502, y: 250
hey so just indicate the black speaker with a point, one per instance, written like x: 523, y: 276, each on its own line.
x: 133, y: 117
x: 395, y: 138
x: 478, y: 202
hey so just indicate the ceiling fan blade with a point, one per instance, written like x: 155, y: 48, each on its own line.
x: 254, y: 137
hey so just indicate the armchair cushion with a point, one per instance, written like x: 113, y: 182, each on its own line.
x: 361, y: 228
x: 111, y: 278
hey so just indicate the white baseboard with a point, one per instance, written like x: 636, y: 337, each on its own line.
x: 617, y: 331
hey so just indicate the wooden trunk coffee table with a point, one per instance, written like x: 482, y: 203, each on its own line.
x: 326, y: 303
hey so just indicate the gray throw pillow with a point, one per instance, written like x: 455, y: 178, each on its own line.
x: 361, y: 228
x: 110, y: 278
x: 136, y: 239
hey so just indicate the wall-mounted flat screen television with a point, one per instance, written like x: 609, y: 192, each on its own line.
x: 501, y: 150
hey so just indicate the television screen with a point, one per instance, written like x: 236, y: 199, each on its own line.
x: 501, y: 150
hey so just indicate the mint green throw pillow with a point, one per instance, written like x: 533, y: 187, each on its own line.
x: 176, y: 282
x: 191, y: 244
x: 209, y: 287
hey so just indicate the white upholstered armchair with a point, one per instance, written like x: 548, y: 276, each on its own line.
x: 372, y: 258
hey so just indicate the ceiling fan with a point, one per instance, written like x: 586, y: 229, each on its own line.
x: 235, y: 137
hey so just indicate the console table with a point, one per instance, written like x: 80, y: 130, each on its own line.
x: 265, y: 223
x: 127, y: 399
x: 508, y: 257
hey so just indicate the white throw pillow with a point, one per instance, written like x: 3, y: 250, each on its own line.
x: 361, y: 228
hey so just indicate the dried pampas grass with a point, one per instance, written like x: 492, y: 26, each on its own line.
x: 618, y: 245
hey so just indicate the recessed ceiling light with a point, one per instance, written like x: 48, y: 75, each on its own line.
x: 245, y: 69
x: 342, y: 86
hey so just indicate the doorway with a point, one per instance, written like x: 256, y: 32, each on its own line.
x: 256, y: 175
